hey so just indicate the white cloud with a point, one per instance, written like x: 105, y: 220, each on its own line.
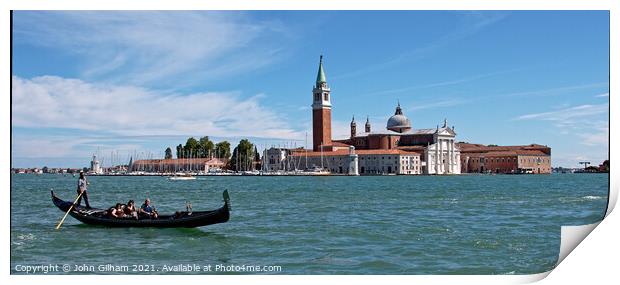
x: 439, y: 104
x: 557, y: 90
x: 602, y: 95
x: 342, y: 129
x: 594, y: 139
x: 566, y: 114
x: 55, y: 102
x: 43, y: 147
x: 586, y: 123
x: 441, y: 83
x: 142, y: 47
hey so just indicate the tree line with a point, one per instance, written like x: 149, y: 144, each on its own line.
x: 243, y: 157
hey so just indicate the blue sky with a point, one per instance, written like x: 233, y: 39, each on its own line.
x: 136, y: 82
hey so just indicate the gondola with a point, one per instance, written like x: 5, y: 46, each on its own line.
x: 93, y: 216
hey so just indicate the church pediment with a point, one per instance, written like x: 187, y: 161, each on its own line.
x: 446, y: 132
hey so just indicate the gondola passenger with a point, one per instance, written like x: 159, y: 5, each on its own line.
x: 130, y: 210
x: 147, y: 210
x: 117, y: 211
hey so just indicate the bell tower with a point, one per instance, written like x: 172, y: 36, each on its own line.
x: 321, y: 112
x: 353, y: 127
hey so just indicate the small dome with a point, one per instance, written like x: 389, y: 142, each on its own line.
x: 399, y: 122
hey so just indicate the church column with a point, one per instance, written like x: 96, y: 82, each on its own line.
x: 451, y: 155
x: 447, y: 156
x: 437, y: 156
x: 449, y: 159
x: 454, y: 158
x: 447, y: 163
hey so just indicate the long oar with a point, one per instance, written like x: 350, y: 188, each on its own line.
x: 67, y: 213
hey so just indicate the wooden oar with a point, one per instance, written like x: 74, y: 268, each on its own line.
x: 67, y: 213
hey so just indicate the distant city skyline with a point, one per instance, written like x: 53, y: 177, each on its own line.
x: 138, y: 82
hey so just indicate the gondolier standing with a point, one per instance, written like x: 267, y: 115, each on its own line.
x: 81, y: 188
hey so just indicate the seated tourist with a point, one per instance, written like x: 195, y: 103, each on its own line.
x: 130, y: 210
x: 117, y: 211
x: 110, y: 211
x: 147, y: 210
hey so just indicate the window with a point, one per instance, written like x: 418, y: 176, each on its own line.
x: 317, y: 97
x: 326, y: 97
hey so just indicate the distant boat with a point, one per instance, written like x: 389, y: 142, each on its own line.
x: 185, y: 176
x: 250, y: 172
x: 317, y: 171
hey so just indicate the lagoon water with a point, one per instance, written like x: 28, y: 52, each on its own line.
x: 468, y: 224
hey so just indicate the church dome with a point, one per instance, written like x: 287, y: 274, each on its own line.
x: 399, y: 122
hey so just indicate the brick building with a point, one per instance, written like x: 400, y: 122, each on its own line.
x: 476, y: 158
x: 399, y: 148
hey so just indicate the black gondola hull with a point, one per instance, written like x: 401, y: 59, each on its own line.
x: 179, y: 220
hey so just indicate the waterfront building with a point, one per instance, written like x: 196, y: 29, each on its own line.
x: 399, y: 148
x: 533, y: 158
x: 95, y: 166
x: 178, y: 165
x: 274, y: 159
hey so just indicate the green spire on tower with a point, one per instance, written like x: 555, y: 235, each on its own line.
x: 320, y: 77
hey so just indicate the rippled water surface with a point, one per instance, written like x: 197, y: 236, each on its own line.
x: 503, y: 224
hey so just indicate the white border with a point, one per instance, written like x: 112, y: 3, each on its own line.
x: 595, y: 259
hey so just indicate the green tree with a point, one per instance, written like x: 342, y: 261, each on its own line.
x: 191, y: 147
x: 242, y: 156
x: 256, y: 154
x: 206, y: 147
x: 257, y: 158
x: 222, y: 150
x: 606, y: 165
x: 180, y: 151
x: 168, y: 154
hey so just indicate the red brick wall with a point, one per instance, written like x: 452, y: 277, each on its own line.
x: 321, y: 128
x: 506, y: 164
x: 538, y: 164
x: 501, y: 164
x: 495, y: 164
x: 394, y: 141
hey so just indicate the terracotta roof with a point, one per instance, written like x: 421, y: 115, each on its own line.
x: 491, y: 153
x: 412, y: 148
x: 343, y: 152
x: 179, y: 161
x: 504, y: 153
x: 337, y: 143
x: 530, y: 152
x: 385, y: 151
x: 467, y: 147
